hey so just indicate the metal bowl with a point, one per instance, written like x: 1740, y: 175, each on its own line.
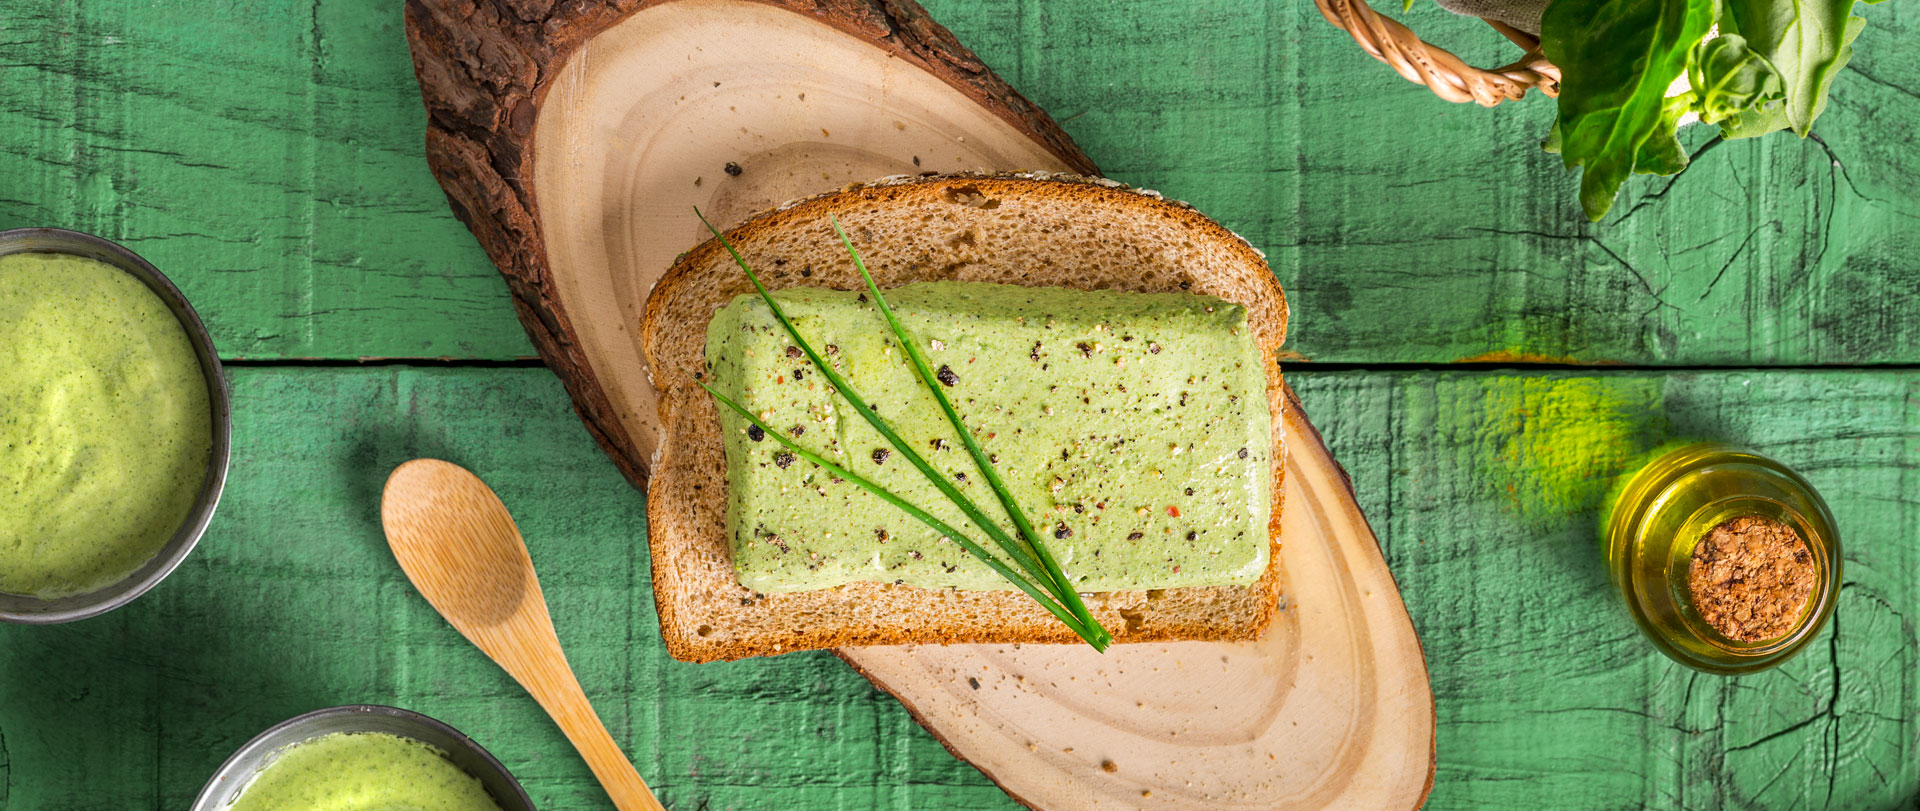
x: 38, y: 611
x: 239, y: 770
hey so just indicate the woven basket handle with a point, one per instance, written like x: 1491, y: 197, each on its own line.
x: 1448, y: 77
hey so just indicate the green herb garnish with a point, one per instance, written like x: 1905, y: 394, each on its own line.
x: 942, y: 527
x: 1038, y: 577
x: 1769, y: 69
x: 980, y: 460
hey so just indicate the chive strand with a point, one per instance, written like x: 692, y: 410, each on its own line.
x: 946, y: 530
x: 980, y: 460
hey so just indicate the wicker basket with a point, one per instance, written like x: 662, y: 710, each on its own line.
x: 1442, y: 72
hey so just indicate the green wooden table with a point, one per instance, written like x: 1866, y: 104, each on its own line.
x: 268, y: 156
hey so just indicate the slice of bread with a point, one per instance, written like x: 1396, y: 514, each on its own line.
x: 1035, y: 230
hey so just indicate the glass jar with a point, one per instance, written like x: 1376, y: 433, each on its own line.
x: 1659, y: 513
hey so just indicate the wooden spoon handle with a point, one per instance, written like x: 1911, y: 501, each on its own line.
x: 560, y: 695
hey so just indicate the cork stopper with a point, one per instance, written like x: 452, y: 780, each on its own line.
x: 1751, y: 577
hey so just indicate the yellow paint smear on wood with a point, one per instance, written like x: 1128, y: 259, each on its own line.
x: 1517, y: 356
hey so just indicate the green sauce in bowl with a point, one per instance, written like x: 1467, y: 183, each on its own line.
x: 105, y: 424
x: 363, y: 770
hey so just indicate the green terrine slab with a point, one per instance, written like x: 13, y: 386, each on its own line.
x: 1131, y: 427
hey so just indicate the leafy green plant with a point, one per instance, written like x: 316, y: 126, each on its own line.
x: 1768, y: 68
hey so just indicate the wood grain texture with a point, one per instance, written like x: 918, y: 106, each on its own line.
x: 486, y: 68
x: 1482, y: 488
x: 273, y: 163
x: 266, y: 156
x: 629, y: 119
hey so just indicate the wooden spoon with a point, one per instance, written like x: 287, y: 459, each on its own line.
x: 458, y: 545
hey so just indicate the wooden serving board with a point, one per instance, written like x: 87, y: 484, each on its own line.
x: 1331, y: 709
x: 575, y: 141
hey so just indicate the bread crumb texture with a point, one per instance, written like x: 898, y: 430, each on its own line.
x: 1751, y: 577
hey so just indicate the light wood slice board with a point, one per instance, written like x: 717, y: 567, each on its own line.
x: 1331, y: 709
x: 575, y: 141
x: 576, y: 145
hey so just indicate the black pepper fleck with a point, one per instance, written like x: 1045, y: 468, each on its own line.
x: 794, y: 352
x: 1134, y: 536
x: 733, y: 169
x: 946, y: 376
x: 796, y: 373
x: 1061, y: 532
x: 1243, y: 453
x: 754, y: 433
x: 801, y: 429
x: 1153, y: 348
x: 880, y: 455
x: 971, y: 681
x: 783, y: 459
x: 1191, y: 535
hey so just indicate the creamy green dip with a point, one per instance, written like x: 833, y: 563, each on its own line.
x: 1132, y: 428
x: 363, y: 771
x: 105, y: 427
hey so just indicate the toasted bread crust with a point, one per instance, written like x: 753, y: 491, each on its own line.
x: 706, y: 615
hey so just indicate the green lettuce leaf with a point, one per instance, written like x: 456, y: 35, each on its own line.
x: 1617, y: 58
x: 1661, y: 153
x: 1807, y: 42
x: 1728, y: 78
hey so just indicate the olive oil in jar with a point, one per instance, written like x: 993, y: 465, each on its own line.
x: 1655, y: 522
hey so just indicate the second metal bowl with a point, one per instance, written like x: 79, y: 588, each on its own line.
x: 234, y: 775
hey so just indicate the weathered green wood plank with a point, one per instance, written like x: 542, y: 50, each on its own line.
x: 1482, y: 487
x: 1484, y: 491
x: 268, y: 156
